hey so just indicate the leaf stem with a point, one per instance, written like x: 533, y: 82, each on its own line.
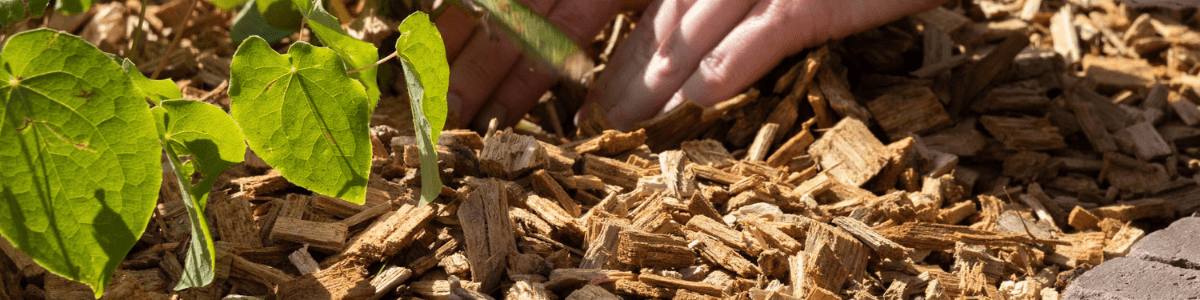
x: 174, y: 42
x: 376, y: 64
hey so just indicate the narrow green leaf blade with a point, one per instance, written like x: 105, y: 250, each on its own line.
x: 427, y: 73
x: 355, y: 53
x: 536, y: 35
x: 80, y: 165
x: 154, y: 91
x: 304, y: 116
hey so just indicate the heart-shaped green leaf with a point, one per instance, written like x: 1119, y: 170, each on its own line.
x: 355, y: 53
x: 80, y: 162
x: 304, y: 116
x: 423, y: 55
x: 12, y: 11
x: 153, y: 91
x: 249, y: 21
x: 209, y: 135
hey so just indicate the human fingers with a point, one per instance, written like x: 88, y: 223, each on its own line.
x: 630, y: 58
x: 456, y: 27
x: 528, y: 79
x: 750, y: 50
x: 703, y: 26
x: 482, y: 63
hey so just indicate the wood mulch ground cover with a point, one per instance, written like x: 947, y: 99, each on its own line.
x: 983, y: 150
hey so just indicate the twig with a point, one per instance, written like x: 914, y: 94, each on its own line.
x: 139, y: 36
x: 174, y: 42
x: 393, y: 55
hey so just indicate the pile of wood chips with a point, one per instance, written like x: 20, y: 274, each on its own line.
x: 986, y: 150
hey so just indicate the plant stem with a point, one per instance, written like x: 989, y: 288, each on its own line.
x: 139, y: 36
x: 175, y: 42
x: 385, y: 59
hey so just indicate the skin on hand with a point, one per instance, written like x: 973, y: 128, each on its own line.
x: 490, y: 78
x: 704, y: 51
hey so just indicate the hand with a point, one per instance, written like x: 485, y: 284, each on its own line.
x: 488, y: 74
x: 707, y: 51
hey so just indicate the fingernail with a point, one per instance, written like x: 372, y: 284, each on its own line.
x: 675, y: 101
x: 491, y: 110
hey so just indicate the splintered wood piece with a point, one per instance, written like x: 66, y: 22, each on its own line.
x: 681, y: 183
x: 612, y: 171
x: 366, y: 215
x: 483, y: 214
x: 341, y: 281
x: 561, y: 160
x: 667, y: 130
x: 528, y: 290
x: 1117, y: 73
x: 722, y: 233
x: 667, y: 282
x: 718, y: 253
x: 565, y: 278
x: 263, y: 184
x: 639, y: 248
x: 981, y: 74
x: 771, y: 236
x: 707, y: 153
x: 956, y: 212
x: 1121, y: 242
x: 611, y: 142
x: 336, y: 207
x: 794, y: 146
x: 762, y: 142
x: 910, y: 109
x: 1137, y: 209
x: 544, y: 184
x: 1147, y: 143
x: 849, y: 252
x: 509, y: 155
x: 1187, y: 111
x: 639, y: 290
x: 327, y: 237
x: 850, y: 153
x: 933, y: 237
x: 602, y: 247
x: 1082, y: 219
x: 1131, y: 175
x: 304, y: 261
x: 1093, y: 129
x: 714, y: 174
x: 390, y: 233
x: 235, y: 220
x: 388, y: 279
x: 885, y: 247
x: 240, y: 267
x: 1064, y: 34
x: 1024, y: 133
x: 1080, y: 248
x: 839, y: 96
x: 592, y: 292
x: 560, y: 219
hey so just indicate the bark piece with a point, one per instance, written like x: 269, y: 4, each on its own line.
x: 612, y: 171
x: 1147, y: 143
x: 850, y: 153
x: 656, y: 250
x: 883, y: 246
x: 336, y: 207
x: 794, y: 146
x: 708, y: 153
x: 667, y: 282
x: 612, y: 142
x: 909, y: 109
x: 509, y: 155
x: 1100, y: 138
x: 718, y: 253
x: 592, y: 292
x: 1137, y: 209
x: 390, y: 233
x: 762, y: 142
x: 487, y: 229
x: 1024, y: 133
x: 544, y: 184
x: 327, y: 237
x: 341, y: 281
x: 234, y: 220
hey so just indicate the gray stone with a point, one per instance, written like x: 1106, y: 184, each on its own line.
x: 1128, y: 278
x: 1177, y: 245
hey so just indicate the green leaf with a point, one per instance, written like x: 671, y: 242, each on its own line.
x: 154, y: 91
x: 227, y: 4
x: 355, y: 53
x: 304, y: 116
x: 209, y: 135
x: 540, y: 38
x: 250, y: 22
x: 73, y: 6
x: 80, y: 166
x: 280, y: 14
x: 12, y: 11
x: 423, y: 55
